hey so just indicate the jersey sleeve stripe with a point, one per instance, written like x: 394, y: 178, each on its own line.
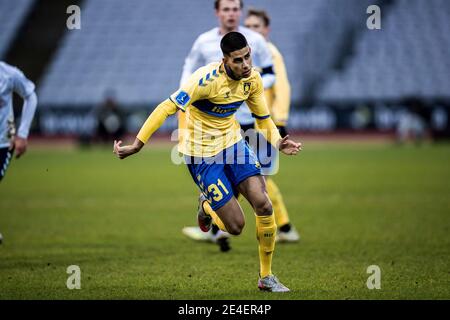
x: 260, y: 117
x: 267, y: 70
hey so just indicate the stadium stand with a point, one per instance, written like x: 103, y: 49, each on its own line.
x: 125, y: 47
x: 333, y: 59
x: 12, y: 14
x: 407, y: 57
x: 128, y: 48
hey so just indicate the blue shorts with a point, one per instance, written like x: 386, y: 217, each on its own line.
x: 218, y: 176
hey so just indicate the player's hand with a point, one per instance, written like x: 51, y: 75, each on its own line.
x: 19, y: 145
x: 121, y: 151
x: 289, y: 147
x: 124, y: 151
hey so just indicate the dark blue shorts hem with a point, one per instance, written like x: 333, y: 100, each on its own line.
x: 248, y: 175
x: 217, y: 205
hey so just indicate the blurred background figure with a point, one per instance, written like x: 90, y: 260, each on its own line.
x: 413, y: 123
x: 111, y: 119
x: 12, y: 80
x: 278, y: 98
x: 108, y: 122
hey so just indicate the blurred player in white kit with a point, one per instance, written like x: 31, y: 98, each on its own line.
x: 13, y: 80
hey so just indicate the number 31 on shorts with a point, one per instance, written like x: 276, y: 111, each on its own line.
x: 215, y: 190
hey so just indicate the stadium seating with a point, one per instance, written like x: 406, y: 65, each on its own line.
x: 128, y: 47
x: 12, y: 14
x: 408, y: 56
x: 138, y: 48
x: 310, y: 35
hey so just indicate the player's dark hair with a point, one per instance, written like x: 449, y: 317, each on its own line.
x: 262, y: 14
x: 231, y: 42
x: 217, y: 4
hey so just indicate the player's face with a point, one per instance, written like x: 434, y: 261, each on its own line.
x: 257, y: 24
x: 240, y: 62
x: 229, y: 14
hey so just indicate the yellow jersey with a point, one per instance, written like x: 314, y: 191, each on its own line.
x: 210, y: 98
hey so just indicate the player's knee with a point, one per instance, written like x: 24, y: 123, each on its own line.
x: 235, y: 228
x: 264, y: 208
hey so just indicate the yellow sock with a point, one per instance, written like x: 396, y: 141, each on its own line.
x: 279, y: 208
x: 214, y: 216
x: 265, y: 233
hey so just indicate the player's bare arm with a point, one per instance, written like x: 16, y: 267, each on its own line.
x: 153, y: 122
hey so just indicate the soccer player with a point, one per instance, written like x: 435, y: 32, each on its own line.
x: 278, y: 99
x: 206, y: 49
x: 220, y: 163
x: 13, y: 80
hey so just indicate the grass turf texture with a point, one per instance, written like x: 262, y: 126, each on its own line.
x: 355, y: 205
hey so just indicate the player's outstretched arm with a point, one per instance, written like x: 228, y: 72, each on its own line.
x: 289, y: 147
x: 124, y: 151
x: 153, y: 122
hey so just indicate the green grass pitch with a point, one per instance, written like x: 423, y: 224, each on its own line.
x: 355, y: 205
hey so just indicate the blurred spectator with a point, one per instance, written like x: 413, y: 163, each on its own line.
x: 111, y: 120
x: 413, y: 124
